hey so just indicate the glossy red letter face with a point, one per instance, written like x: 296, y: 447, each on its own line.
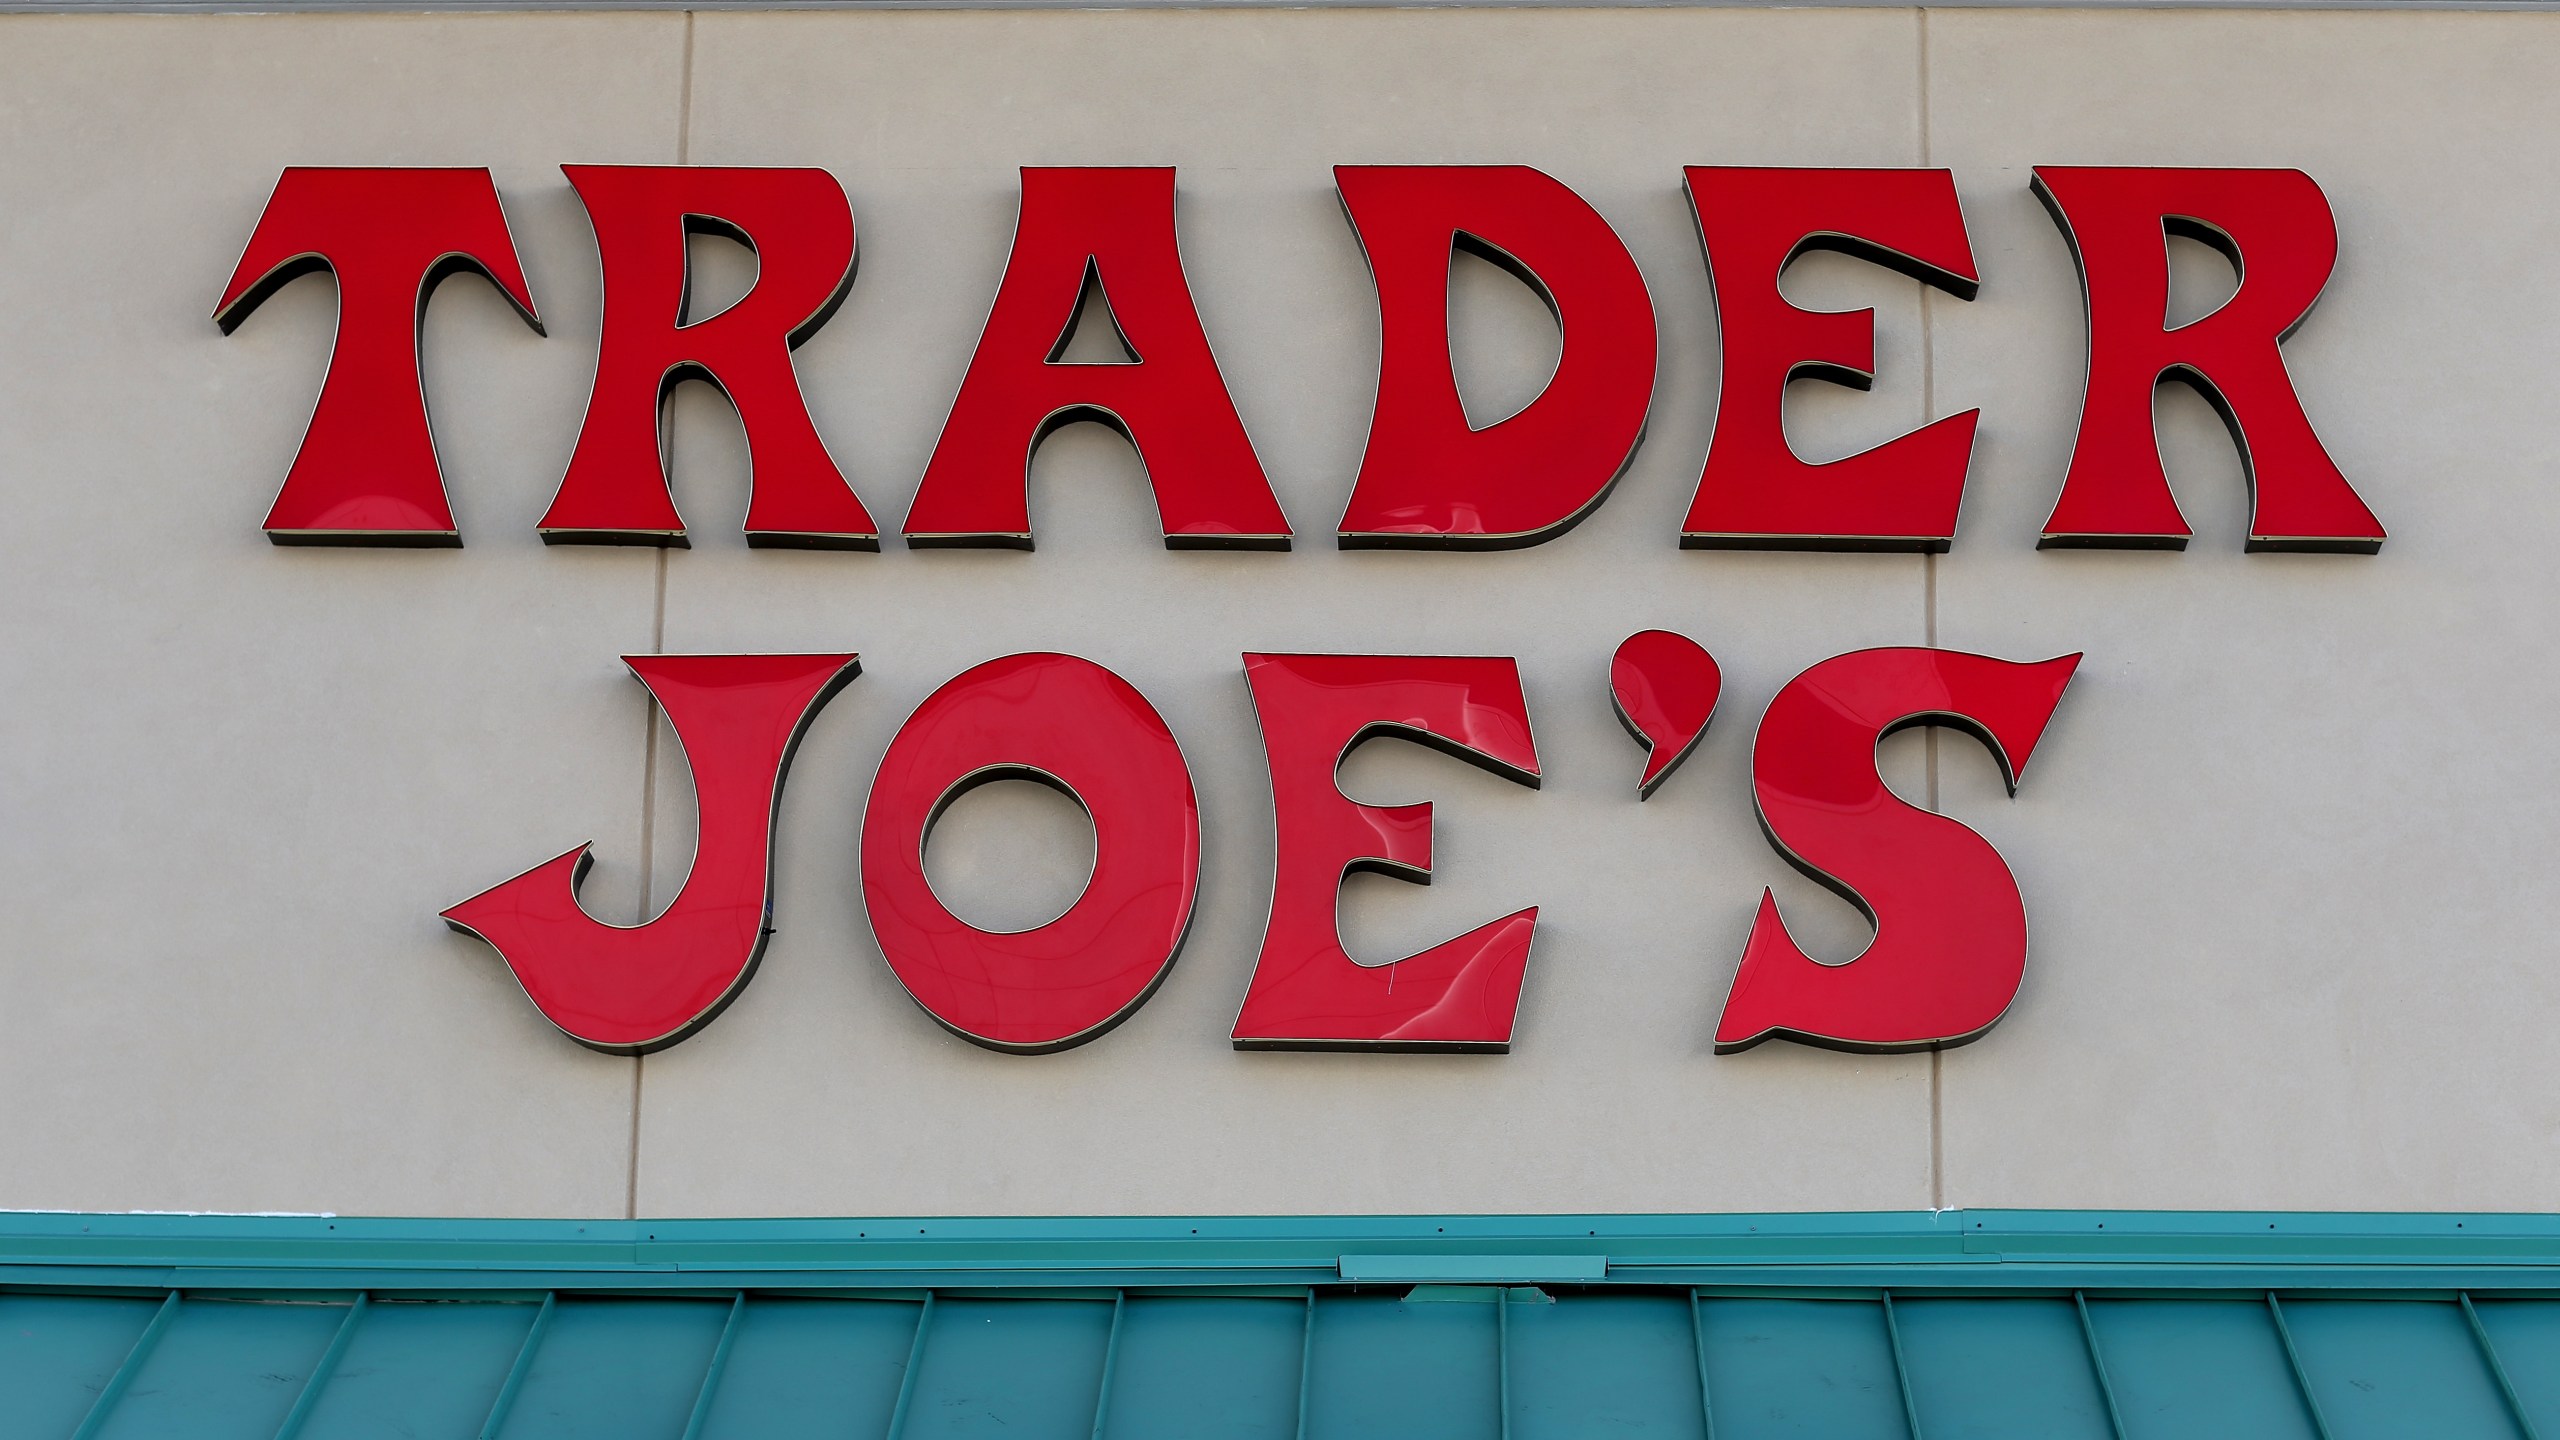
x: 1664, y: 687
x: 1170, y: 403
x: 1307, y: 992
x: 1430, y: 479
x: 1755, y: 493
x: 366, y: 473
x: 2275, y: 228
x: 633, y: 989
x: 1072, y: 725
x: 1951, y: 931
x: 801, y: 229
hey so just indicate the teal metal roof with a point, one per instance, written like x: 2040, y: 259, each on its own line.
x: 1959, y: 1326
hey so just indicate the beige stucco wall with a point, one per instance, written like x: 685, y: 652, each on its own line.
x: 2287, y: 849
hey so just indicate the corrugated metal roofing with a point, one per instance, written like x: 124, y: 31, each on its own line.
x: 1444, y: 1363
x: 126, y: 1333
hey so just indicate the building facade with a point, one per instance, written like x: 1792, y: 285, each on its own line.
x: 2261, y: 1139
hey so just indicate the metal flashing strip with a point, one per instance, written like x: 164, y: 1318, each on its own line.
x: 1475, y: 1269
x: 1953, y: 1251
x: 412, y: 7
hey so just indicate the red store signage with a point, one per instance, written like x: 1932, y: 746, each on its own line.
x: 1950, y: 944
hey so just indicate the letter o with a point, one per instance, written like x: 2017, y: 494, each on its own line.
x: 1075, y: 726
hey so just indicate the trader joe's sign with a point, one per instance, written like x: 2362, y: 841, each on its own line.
x: 1951, y: 938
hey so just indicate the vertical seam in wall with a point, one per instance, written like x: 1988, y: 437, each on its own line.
x: 648, y: 869
x: 657, y: 644
x: 684, y: 99
x: 1929, y: 602
x: 1928, y: 369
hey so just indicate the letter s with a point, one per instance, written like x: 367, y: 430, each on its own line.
x: 1951, y: 929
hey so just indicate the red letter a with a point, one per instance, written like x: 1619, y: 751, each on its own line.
x: 1116, y: 224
